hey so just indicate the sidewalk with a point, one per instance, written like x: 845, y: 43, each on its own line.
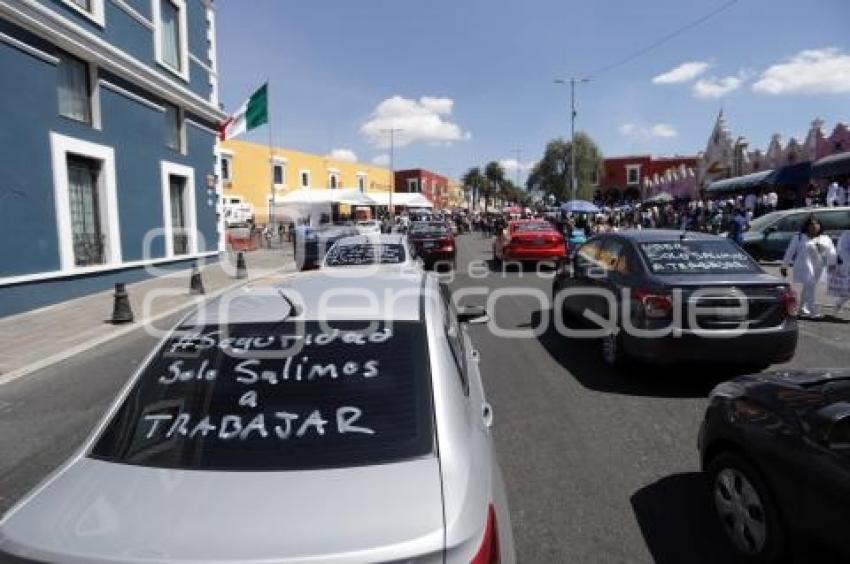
x: 39, y: 338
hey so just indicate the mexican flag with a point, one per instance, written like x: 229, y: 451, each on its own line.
x: 253, y: 113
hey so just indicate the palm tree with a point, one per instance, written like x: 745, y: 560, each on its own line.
x: 474, y: 181
x: 495, y: 175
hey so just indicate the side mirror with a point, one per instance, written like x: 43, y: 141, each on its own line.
x: 769, y: 230
x: 473, y: 315
x: 834, y: 423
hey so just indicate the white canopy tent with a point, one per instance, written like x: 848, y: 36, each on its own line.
x: 405, y: 199
x: 312, y: 204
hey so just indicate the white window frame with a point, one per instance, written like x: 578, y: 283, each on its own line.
x: 333, y: 175
x: 60, y: 147
x: 94, y: 93
x: 280, y: 162
x: 167, y: 169
x: 222, y: 155
x: 181, y: 117
x: 183, y: 72
x: 96, y: 14
x: 362, y: 179
x: 413, y: 185
x: 301, y: 174
x: 629, y: 169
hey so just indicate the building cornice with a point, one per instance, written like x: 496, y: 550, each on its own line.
x: 49, y: 24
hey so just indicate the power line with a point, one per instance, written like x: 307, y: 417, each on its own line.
x: 663, y: 40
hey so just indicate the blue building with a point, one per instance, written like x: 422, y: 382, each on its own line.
x: 108, y: 116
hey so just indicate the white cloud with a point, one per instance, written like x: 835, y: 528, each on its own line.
x: 346, y: 155
x: 513, y: 165
x: 713, y: 87
x: 657, y: 131
x: 425, y: 120
x: 381, y: 160
x: 814, y: 71
x: 685, y: 72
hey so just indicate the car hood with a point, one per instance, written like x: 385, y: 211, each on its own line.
x: 800, y: 394
x: 98, y: 512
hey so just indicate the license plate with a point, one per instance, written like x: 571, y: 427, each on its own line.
x: 539, y: 242
x: 428, y: 244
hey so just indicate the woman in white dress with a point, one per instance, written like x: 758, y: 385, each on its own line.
x: 843, y: 251
x: 810, y: 253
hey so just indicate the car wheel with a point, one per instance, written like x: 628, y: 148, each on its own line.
x: 612, y: 350
x: 746, y: 509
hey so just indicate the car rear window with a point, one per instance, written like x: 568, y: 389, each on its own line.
x: 533, y: 227
x: 278, y: 396
x: 697, y: 257
x: 360, y: 254
x: 430, y: 229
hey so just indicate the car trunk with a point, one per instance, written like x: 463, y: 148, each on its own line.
x: 534, y: 239
x: 105, y: 512
x: 433, y: 243
x: 727, y: 303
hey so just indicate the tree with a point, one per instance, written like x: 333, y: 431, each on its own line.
x: 474, y: 181
x: 552, y: 173
x: 495, y: 176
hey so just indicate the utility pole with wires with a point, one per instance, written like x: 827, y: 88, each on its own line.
x: 572, y: 82
x: 392, y: 131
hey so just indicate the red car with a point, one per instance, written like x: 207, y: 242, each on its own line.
x: 529, y: 240
x: 434, y: 243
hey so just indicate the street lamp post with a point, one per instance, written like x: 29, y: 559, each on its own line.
x: 572, y: 82
x: 392, y: 131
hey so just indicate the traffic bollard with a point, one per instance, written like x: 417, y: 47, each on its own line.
x: 121, y: 311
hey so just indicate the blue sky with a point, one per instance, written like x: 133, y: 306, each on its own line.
x: 472, y: 80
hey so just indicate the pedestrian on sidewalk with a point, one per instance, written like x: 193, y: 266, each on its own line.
x: 840, y: 281
x: 810, y: 253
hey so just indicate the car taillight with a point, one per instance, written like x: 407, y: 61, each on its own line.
x: 488, y: 553
x: 655, y: 306
x: 447, y: 243
x: 789, y: 300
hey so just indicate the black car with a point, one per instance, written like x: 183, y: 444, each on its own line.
x: 668, y: 296
x: 776, y: 448
x: 434, y: 243
x: 311, y: 243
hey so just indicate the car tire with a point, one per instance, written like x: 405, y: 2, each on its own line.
x: 746, y: 509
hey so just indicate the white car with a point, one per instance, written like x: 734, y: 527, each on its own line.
x: 272, y: 426
x: 369, y: 227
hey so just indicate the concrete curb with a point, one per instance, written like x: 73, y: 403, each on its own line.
x: 120, y: 331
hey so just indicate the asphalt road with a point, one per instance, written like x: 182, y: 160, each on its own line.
x: 600, y: 466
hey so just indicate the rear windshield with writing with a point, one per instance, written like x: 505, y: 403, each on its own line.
x: 278, y: 396
x: 365, y: 253
x: 697, y: 257
x: 430, y: 229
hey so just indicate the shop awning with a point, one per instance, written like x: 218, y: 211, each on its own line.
x: 792, y: 175
x: 833, y: 165
x: 740, y: 183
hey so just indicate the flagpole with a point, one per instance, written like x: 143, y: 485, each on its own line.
x: 271, y: 163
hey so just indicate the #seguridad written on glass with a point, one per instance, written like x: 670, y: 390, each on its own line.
x: 278, y: 396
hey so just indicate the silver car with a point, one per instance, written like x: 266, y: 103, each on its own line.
x: 294, y: 420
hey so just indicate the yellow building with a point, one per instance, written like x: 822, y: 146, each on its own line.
x: 245, y: 173
x: 456, y: 194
